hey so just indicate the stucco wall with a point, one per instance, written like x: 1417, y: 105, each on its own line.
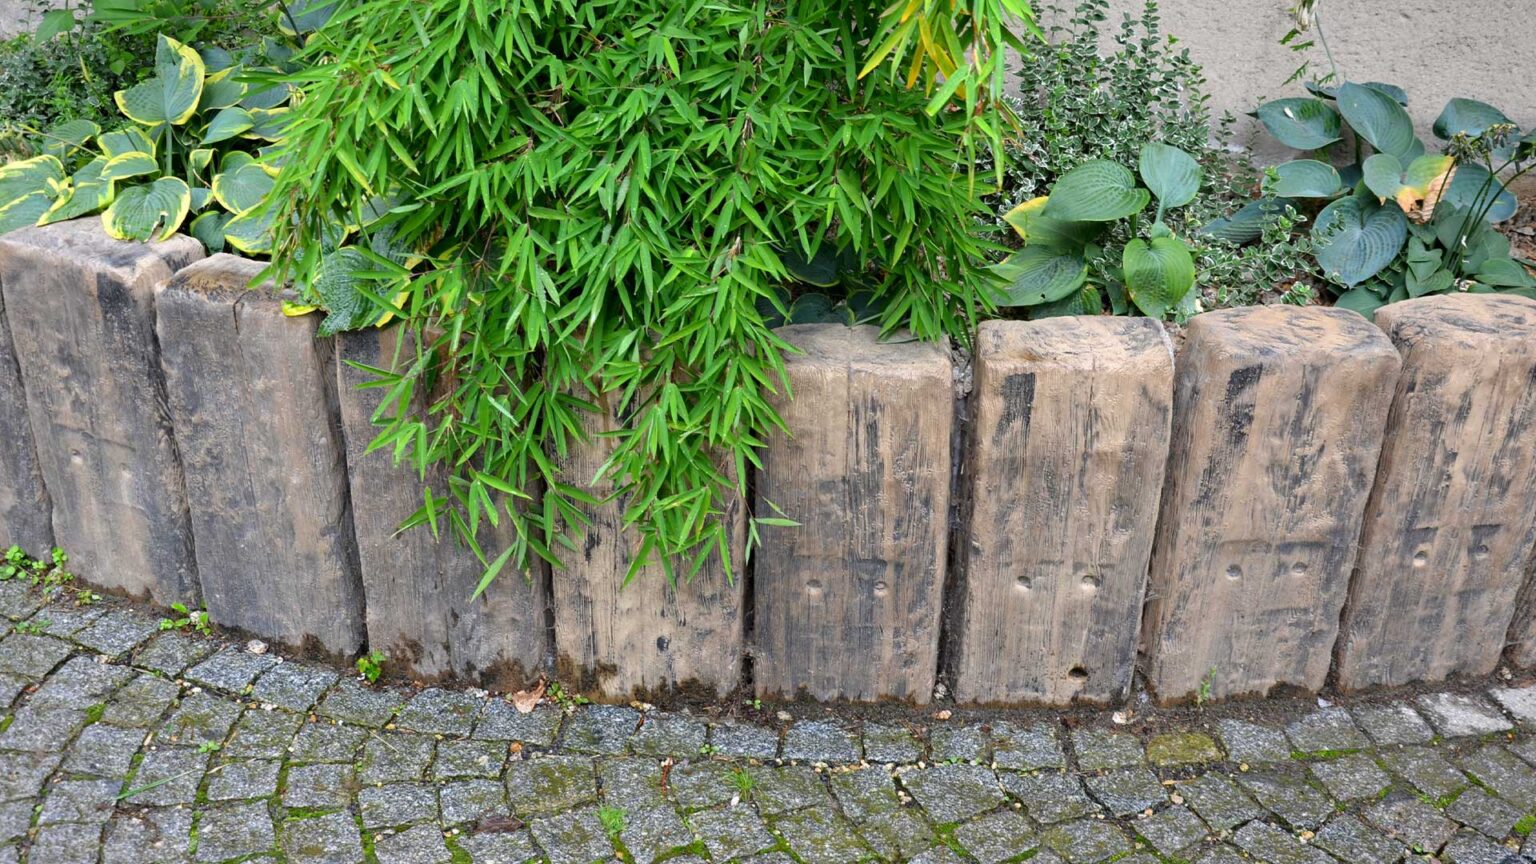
x: 19, y: 15
x: 1435, y: 49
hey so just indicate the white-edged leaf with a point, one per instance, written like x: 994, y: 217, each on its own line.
x: 129, y: 165
x: 242, y: 188
x: 88, y: 192
x: 172, y: 93
x: 127, y: 140
x: 150, y: 211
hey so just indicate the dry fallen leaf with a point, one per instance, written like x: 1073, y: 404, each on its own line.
x: 525, y: 700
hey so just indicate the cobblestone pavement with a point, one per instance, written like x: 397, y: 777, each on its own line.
x: 120, y: 743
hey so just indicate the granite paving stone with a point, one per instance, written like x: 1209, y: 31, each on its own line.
x: 1126, y: 790
x: 1393, y: 724
x: 471, y: 800
x: 1049, y: 797
x: 996, y: 837
x: 264, y: 759
x: 1252, y: 743
x: 420, y: 845
x: 820, y: 741
x: 246, y: 779
x: 228, y: 831
x: 230, y: 670
x: 548, y: 784
x: 1518, y: 702
x: 1351, y: 777
x: 573, y: 837
x: 1482, y: 812
x: 953, y: 793
x: 1351, y: 840
x: 890, y: 744
x: 601, y: 729
x: 1098, y: 750
x: 293, y: 686
x: 755, y: 742
x: 1328, y: 730
x: 669, y: 735
x: 1172, y: 830
x: 731, y: 832
x: 331, y: 838
x: 500, y: 721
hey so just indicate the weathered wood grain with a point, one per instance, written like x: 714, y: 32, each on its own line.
x: 81, y: 310
x: 1278, y: 420
x: 418, y: 586
x: 26, y: 512
x: 1062, y: 477
x: 1450, y: 527
x: 252, y: 396
x: 647, y: 637
x: 848, y: 603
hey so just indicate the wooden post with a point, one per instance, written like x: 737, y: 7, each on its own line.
x: 252, y: 394
x: 1278, y: 419
x: 418, y: 586
x: 848, y: 603
x: 647, y: 637
x: 1449, y: 532
x: 1063, y: 473
x: 26, y: 512
x: 81, y: 310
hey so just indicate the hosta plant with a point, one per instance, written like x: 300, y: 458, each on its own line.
x: 1069, y: 265
x: 192, y: 157
x: 1396, y: 220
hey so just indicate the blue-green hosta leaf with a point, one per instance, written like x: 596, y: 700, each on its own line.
x: 1469, y: 116
x: 1355, y: 238
x: 1247, y: 224
x: 1379, y: 119
x: 268, y: 124
x: 151, y: 211
x: 88, y: 191
x: 1504, y: 273
x: 1394, y: 92
x: 1038, y: 275
x: 1388, y: 180
x: 251, y: 231
x: 264, y: 96
x: 209, y: 229
x: 1037, y: 229
x: 66, y: 139
x: 1362, y: 300
x: 1304, y: 178
x: 1305, y: 124
x: 129, y: 165
x: 1157, y: 274
x: 221, y: 90
x: 172, y: 93
x: 1084, y: 301
x: 306, y: 16
x: 1171, y: 174
x: 813, y: 308
x: 129, y: 140
x: 1469, y: 179
x: 216, y: 59
x: 227, y: 124
x: 1097, y: 191
x: 242, y: 188
x: 201, y: 195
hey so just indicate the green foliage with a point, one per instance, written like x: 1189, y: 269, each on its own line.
x: 1399, y: 222
x: 606, y: 202
x: 612, y: 819
x: 1075, y: 106
x: 181, y: 151
x: 193, y: 619
x: 1062, y: 236
x: 51, y: 573
x: 371, y: 665
x: 33, y: 627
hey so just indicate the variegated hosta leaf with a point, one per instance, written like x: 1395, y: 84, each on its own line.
x: 88, y: 191
x: 270, y: 124
x: 337, y: 281
x: 129, y: 140
x: 152, y: 211
x: 201, y: 195
x: 221, y: 90
x: 209, y: 229
x: 28, y: 189
x: 171, y: 95
x: 65, y: 139
x: 251, y: 231
x: 129, y: 165
x: 200, y: 159
x: 242, y: 188
x: 227, y: 124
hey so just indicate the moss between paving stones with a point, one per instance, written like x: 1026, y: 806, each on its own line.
x: 1183, y: 748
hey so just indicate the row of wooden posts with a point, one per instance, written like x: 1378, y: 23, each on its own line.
x: 1300, y: 494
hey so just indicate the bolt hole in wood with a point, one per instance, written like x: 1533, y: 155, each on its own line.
x: 1077, y: 673
x: 1298, y: 569
x: 1089, y: 583
x: 1023, y: 584
x: 813, y: 587
x: 881, y: 589
x: 1420, y: 558
x: 1234, y: 572
x: 1480, y: 553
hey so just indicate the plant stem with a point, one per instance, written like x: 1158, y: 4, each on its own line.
x: 1317, y: 19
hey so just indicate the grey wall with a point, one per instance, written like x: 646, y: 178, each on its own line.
x: 19, y: 15
x: 1435, y: 49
